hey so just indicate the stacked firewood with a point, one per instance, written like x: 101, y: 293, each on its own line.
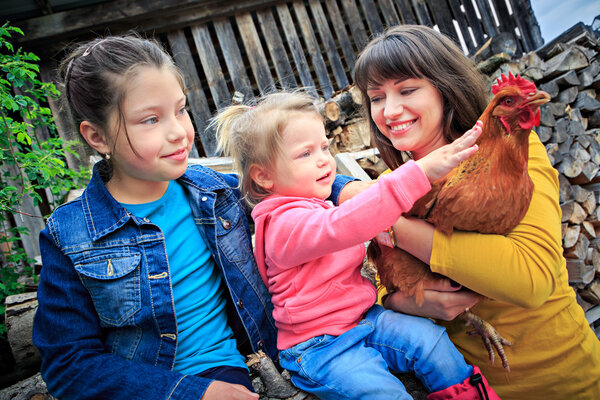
x: 568, y: 68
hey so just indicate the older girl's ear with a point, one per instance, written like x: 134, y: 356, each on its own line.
x: 262, y: 176
x: 94, y: 136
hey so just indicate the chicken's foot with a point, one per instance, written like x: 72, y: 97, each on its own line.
x: 491, y: 338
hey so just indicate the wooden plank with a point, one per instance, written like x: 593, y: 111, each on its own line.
x: 406, y: 12
x: 463, y: 24
x: 233, y: 59
x: 121, y: 15
x: 63, y: 123
x: 474, y: 23
x: 533, y: 28
x: 328, y: 44
x: 296, y: 49
x: 507, y: 23
x: 528, y: 27
x: 342, y: 35
x: 487, y: 18
x: 504, y: 18
x: 347, y: 165
x: 442, y: 17
x: 212, y: 67
x: 27, y: 215
x: 255, y: 53
x: 312, y: 48
x: 276, y: 49
x: 372, y: 16
x: 224, y: 165
x: 593, y: 314
x: 422, y: 13
x: 389, y: 14
x: 356, y: 24
x: 196, y: 97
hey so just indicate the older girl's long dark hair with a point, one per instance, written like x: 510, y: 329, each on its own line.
x: 417, y: 51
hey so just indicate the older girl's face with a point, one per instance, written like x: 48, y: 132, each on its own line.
x: 409, y: 113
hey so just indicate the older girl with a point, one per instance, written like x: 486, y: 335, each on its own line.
x: 149, y: 289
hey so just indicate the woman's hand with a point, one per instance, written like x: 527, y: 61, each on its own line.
x: 443, y: 300
x: 219, y: 390
x: 439, y: 162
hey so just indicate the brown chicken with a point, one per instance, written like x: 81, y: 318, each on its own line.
x: 487, y: 193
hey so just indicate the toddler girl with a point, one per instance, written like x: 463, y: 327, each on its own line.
x: 334, y: 341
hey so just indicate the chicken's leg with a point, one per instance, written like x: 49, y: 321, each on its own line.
x: 491, y: 338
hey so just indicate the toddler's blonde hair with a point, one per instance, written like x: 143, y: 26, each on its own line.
x: 252, y: 134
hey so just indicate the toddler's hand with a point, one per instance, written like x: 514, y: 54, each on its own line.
x: 441, y: 161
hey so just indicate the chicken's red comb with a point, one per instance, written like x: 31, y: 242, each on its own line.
x: 523, y: 84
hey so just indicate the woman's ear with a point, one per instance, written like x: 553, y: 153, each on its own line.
x: 261, y: 176
x: 94, y: 136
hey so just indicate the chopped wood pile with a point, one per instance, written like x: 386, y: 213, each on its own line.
x: 568, y: 69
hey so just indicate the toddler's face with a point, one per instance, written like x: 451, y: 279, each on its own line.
x: 306, y: 168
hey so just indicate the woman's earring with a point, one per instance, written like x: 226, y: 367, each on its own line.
x: 107, y: 156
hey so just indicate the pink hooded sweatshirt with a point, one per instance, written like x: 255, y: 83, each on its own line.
x: 310, y: 253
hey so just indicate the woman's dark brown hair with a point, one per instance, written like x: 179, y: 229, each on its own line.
x: 417, y: 51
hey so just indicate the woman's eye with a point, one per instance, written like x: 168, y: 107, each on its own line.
x: 375, y: 99
x: 406, y: 92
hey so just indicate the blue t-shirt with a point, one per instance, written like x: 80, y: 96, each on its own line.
x: 205, y: 340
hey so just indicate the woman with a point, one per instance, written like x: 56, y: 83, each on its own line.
x: 420, y: 93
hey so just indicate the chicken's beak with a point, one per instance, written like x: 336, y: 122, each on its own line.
x: 532, y: 106
x: 535, y: 100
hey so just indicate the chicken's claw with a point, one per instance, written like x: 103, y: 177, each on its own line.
x: 491, y: 338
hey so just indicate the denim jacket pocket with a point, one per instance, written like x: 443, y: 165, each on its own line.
x: 233, y: 236
x: 114, y: 285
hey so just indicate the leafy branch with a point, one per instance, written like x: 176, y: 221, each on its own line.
x: 29, y: 167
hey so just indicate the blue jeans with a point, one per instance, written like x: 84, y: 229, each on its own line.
x: 357, y: 364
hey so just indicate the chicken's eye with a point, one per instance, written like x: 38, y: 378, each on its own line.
x: 508, y: 101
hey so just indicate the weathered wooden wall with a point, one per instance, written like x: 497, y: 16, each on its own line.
x: 252, y: 47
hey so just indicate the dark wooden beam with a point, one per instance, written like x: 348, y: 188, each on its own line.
x: 122, y: 15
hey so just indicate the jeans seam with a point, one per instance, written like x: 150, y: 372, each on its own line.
x: 307, y: 377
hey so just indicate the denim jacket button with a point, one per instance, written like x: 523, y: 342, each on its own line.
x: 204, y: 198
x: 226, y: 224
x: 240, y: 303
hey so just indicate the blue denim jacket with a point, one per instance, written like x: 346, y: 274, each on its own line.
x: 105, y: 326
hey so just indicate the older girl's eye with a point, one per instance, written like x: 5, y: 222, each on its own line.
x: 183, y: 110
x: 150, y: 121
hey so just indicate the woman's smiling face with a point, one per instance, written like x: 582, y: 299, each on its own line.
x: 409, y: 113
